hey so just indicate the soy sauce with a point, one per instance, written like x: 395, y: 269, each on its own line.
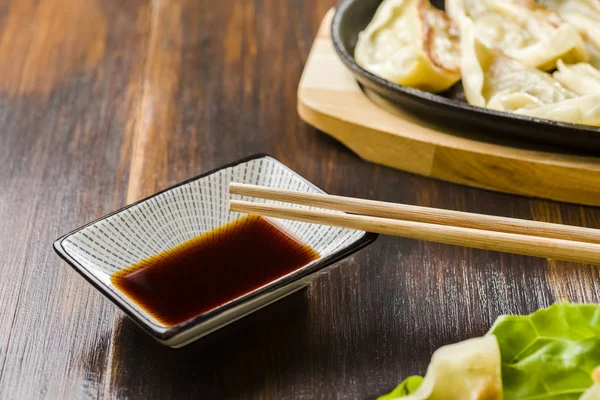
x: 212, y: 269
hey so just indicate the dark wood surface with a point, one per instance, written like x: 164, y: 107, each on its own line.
x: 104, y: 102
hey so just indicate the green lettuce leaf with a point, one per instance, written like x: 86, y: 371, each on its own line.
x: 549, y: 354
x: 408, y: 386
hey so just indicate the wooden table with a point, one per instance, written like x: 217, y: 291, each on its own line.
x: 105, y: 102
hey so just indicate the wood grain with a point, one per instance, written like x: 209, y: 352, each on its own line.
x: 103, y: 102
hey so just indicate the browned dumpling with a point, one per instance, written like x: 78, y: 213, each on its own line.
x: 593, y: 393
x: 411, y: 43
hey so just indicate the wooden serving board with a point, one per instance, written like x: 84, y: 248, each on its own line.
x: 330, y: 99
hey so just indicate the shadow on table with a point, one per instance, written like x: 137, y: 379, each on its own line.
x: 300, y: 347
x: 233, y: 362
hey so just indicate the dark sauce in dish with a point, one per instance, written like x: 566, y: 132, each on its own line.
x: 212, y: 269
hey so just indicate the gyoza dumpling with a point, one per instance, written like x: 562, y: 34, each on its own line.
x: 581, y: 78
x: 584, y: 15
x: 469, y: 370
x: 494, y: 80
x: 583, y: 110
x: 411, y: 43
x: 522, y: 29
x: 509, y: 85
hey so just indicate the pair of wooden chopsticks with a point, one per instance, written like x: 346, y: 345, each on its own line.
x: 510, y: 235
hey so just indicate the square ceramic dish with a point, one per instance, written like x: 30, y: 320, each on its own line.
x: 182, y: 212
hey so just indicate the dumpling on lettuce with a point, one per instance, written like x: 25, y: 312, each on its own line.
x: 553, y: 353
x: 581, y: 78
x: 522, y: 29
x: 583, y: 15
x: 411, y: 43
x: 468, y: 370
x: 593, y: 393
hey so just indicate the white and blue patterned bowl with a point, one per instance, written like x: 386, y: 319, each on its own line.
x: 182, y: 212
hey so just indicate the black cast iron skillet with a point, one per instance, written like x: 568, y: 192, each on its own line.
x: 450, y: 108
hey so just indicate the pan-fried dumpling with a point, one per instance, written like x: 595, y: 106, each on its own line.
x: 494, y: 80
x: 581, y: 78
x: 510, y: 86
x: 583, y: 110
x: 583, y: 15
x: 411, y: 43
x: 522, y: 29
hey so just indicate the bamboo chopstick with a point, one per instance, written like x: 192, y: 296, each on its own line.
x: 487, y: 239
x: 420, y: 214
x: 588, y: 253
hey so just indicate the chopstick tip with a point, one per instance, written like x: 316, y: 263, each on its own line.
x: 235, y: 187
